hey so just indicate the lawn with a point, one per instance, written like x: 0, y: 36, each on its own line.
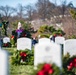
x: 18, y: 69
x: 21, y: 70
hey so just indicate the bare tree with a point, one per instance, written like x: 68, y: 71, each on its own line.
x: 29, y: 11
x: 63, y: 7
x: 7, y: 11
x: 44, y: 8
x: 20, y: 11
x: 35, y: 14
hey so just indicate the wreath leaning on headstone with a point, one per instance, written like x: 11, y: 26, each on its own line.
x: 25, y: 57
x: 69, y: 65
x: 47, y: 69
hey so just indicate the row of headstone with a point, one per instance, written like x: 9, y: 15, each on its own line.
x: 26, y: 43
x: 69, y: 46
x: 47, y: 52
x: 58, y: 39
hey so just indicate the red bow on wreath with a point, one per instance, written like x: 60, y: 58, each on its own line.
x: 46, y: 70
x: 23, y: 55
x: 72, y: 64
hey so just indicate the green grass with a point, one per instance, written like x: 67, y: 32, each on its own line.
x: 18, y: 69
x: 21, y: 69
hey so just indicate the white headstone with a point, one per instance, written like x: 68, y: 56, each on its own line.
x: 6, y: 39
x: 59, y: 40
x: 44, y: 40
x: 70, y: 47
x: 47, y: 53
x: 3, y: 62
x: 24, y: 43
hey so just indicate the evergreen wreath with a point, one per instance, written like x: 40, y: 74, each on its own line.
x: 47, y: 69
x: 25, y: 57
x: 69, y: 65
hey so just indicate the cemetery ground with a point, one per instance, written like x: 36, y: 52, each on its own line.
x: 47, y: 50
x: 26, y: 69
x: 18, y: 69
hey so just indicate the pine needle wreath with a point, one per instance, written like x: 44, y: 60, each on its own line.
x: 25, y: 57
x: 69, y: 65
x: 47, y: 69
